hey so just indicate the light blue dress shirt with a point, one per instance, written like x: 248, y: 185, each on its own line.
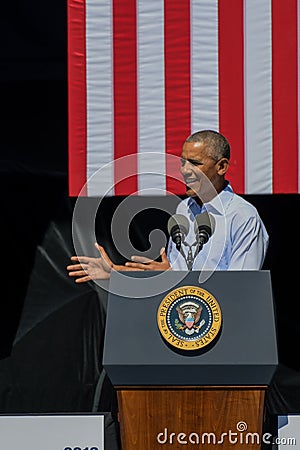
x: 239, y: 240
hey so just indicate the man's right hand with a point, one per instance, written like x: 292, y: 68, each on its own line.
x: 89, y: 268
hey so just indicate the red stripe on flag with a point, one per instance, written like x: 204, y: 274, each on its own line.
x: 285, y: 96
x: 231, y: 86
x: 125, y: 95
x: 177, y: 86
x: 76, y: 97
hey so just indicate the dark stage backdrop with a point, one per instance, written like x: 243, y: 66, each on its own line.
x: 51, y: 330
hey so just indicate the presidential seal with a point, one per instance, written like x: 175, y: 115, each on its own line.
x: 189, y: 318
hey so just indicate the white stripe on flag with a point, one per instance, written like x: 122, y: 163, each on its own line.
x: 258, y: 96
x: 100, y: 146
x: 151, y: 94
x: 204, y: 65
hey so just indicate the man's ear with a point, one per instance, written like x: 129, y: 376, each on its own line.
x: 222, y: 166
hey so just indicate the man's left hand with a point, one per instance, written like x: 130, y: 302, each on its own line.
x: 140, y: 262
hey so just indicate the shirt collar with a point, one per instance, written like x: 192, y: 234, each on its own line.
x: 217, y: 205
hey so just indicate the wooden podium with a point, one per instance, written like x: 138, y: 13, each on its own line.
x: 212, y: 398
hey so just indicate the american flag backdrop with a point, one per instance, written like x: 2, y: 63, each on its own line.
x: 144, y: 74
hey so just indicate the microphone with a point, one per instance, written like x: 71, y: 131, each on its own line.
x: 204, y: 226
x: 178, y: 228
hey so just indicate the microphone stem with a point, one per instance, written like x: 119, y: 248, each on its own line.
x: 202, y: 238
x: 201, y: 242
x: 190, y: 258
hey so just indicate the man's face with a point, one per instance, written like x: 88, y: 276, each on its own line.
x: 200, y: 172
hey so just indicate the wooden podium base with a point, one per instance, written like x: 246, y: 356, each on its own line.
x: 174, y: 417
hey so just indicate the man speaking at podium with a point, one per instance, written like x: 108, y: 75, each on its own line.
x: 213, y: 228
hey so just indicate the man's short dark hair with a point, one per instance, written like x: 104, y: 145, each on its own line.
x: 216, y: 142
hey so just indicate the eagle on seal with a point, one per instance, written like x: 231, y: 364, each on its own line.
x: 189, y: 314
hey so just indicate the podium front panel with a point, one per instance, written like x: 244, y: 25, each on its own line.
x: 244, y: 353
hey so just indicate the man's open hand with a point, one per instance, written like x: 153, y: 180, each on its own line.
x: 91, y: 268
x: 142, y: 263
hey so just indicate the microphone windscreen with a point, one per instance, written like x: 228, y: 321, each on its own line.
x: 205, y: 221
x: 180, y: 221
